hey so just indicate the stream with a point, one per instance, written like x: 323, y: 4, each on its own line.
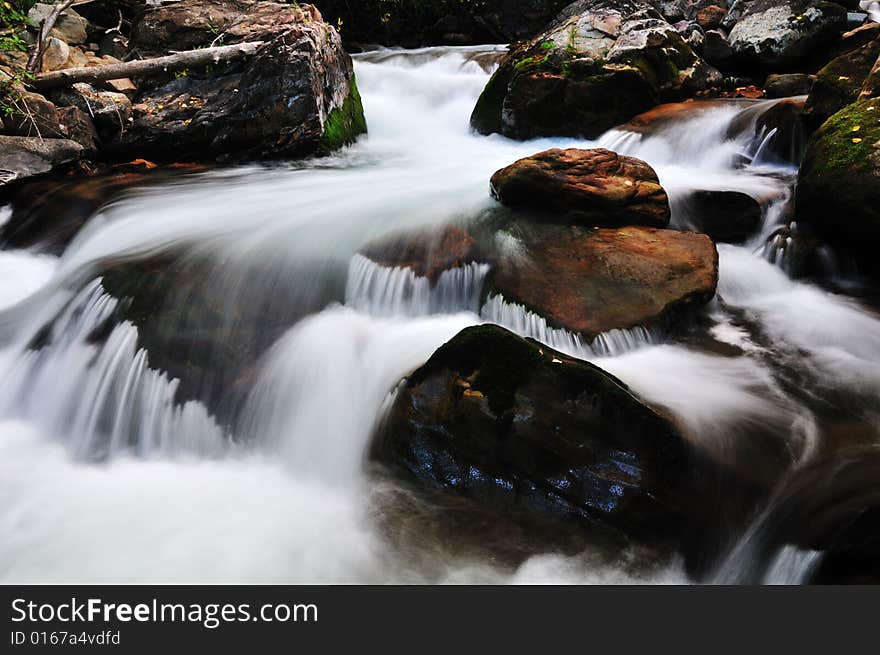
x: 109, y: 474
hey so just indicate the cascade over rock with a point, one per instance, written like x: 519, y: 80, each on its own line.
x: 597, y: 65
x: 586, y: 187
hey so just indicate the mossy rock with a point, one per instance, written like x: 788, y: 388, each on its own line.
x: 839, y: 83
x: 596, y: 66
x: 346, y: 122
x: 839, y: 182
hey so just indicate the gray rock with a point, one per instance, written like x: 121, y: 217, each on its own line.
x: 22, y: 156
x: 774, y: 34
x: 70, y: 26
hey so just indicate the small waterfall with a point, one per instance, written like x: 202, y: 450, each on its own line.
x: 792, y: 566
x: 399, y: 292
x: 527, y: 323
x: 102, y: 398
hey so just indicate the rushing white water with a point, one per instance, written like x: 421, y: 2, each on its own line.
x: 284, y: 495
x: 384, y: 291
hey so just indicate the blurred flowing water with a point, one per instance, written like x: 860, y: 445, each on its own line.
x: 107, y: 475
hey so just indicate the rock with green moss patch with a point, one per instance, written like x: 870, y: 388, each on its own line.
x: 839, y: 83
x: 596, y: 66
x: 297, y: 96
x: 838, y: 188
x: 528, y: 431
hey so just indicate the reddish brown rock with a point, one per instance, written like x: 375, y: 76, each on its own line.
x: 427, y: 253
x: 587, y: 187
x: 710, y: 17
x: 590, y: 281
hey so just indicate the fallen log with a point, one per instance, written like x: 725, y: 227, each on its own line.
x: 146, y: 67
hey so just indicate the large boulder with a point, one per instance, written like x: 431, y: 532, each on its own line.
x: 297, y: 96
x: 597, y: 65
x: 587, y: 187
x: 840, y: 82
x: 590, y: 281
x: 22, y: 157
x: 779, y: 34
x: 191, y: 24
x: 838, y: 189
x: 528, y: 431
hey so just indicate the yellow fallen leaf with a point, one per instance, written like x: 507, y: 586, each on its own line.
x: 856, y: 140
x: 857, y: 128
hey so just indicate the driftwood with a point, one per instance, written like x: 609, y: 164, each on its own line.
x: 146, y: 67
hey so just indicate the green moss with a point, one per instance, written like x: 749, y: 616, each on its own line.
x: 845, y: 142
x: 346, y: 122
x: 486, y: 117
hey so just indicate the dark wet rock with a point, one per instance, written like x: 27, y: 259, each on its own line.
x: 590, y: 281
x: 439, y: 22
x: 296, y: 97
x: 427, y: 252
x: 829, y: 509
x: 597, y: 65
x: 35, y: 116
x: 785, y: 85
x: 726, y: 216
x: 48, y: 211
x: 716, y: 49
x: 525, y: 430
x: 840, y: 82
x: 776, y: 128
x: 587, y: 187
x: 22, y: 157
x: 837, y: 191
x: 779, y: 34
x: 191, y: 24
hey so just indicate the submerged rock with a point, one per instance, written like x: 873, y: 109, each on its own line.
x: 838, y: 183
x: 529, y: 431
x: 596, y: 66
x: 297, y: 96
x: 587, y: 187
x: 590, y: 281
x: 776, y: 34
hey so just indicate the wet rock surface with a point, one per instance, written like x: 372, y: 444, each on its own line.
x: 590, y: 281
x: 585, y: 187
x: 526, y: 430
